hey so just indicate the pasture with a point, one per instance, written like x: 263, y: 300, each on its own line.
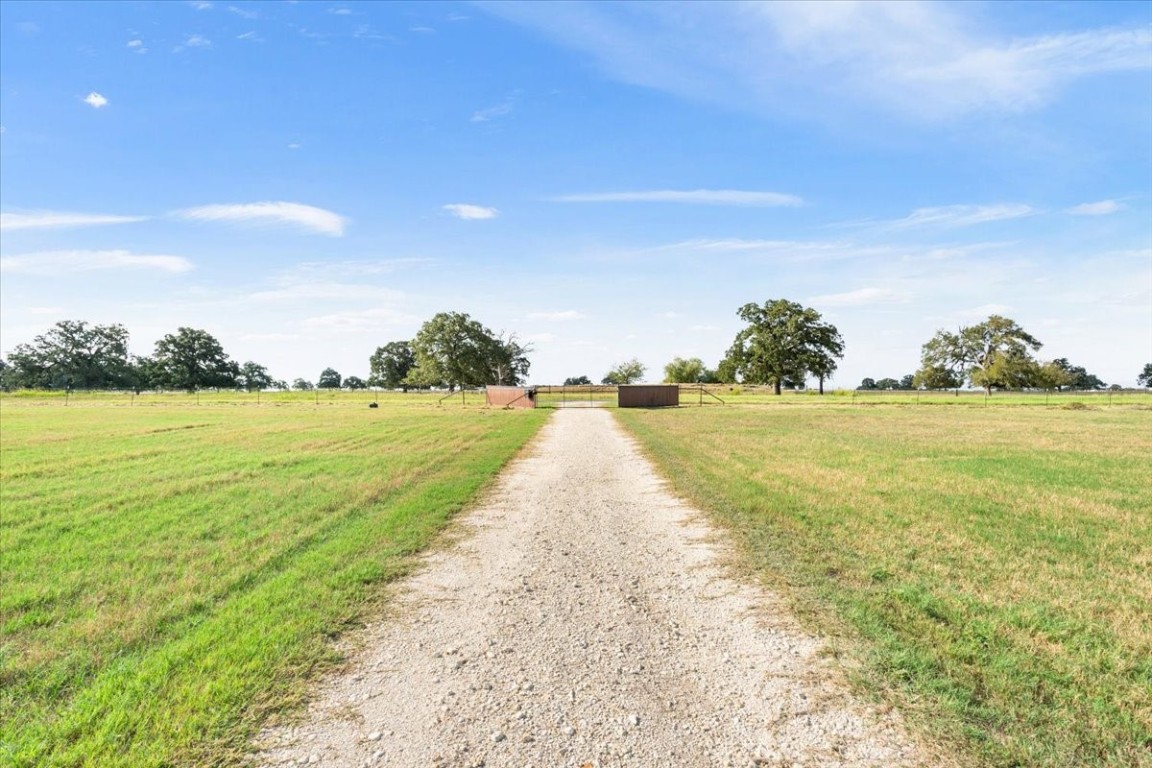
x: 173, y: 575
x: 987, y: 570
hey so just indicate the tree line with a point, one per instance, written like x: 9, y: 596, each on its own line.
x: 783, y: 345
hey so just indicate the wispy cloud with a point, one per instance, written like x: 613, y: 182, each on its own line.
x: 193, y: 41
x: 789, y: 250
x: 201, y: 5
x: 499, y: 110
x: 860, y: 297
x: 310, y: 270
x: 57, y: 219
x: 1102, y: 208
x: 340, y: 11
x: 95, y: 100
x: 293, y: 289
x: 696, y: 196
x: 568, y: 314
x: 244, y: 13
x: 53, y: 263
x: 364, y: 319
x: 137, y: 46
x: 305, y: 216
x: 471, y: 212
x: 927, y: 60
x: 963, y: 215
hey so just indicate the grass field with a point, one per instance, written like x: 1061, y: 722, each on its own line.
x: 172, y: 575
x: 990, y: 569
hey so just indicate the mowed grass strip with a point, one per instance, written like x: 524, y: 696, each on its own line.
x: 992, y: 569
x: 171, y: 576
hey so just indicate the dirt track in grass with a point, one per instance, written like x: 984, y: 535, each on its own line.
x: 584, y: 617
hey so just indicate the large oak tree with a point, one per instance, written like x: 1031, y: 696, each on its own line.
x: 784, y: 341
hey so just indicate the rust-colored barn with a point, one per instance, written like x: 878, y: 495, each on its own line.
x: 648, y: 395
x: 510, y: 397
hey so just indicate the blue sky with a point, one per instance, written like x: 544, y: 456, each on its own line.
x: 308, y: 181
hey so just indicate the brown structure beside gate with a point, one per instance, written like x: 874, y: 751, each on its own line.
x: 648, y: 395
x: 510, y: 397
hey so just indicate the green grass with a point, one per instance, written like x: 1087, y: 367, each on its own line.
x: 172, y: 576
x: 987, y: 570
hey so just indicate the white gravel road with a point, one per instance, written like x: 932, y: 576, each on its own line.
x: 583, y: 617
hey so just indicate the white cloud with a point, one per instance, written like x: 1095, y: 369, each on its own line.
x: 471, y: 212
x: 790, y: 250
x: 306, y: 216
x: 55, y: 263
x: 250, y: 36
x: 355, y: 320
x: 50, y: 219
x: 568, y: 314
x: 292, y: 289
x: 243, y: 12
x: 862, y: 296
x: 201, y: 5
x: 983, y: 311
x: 95, y: 100
x: 270, y: 337
x: 137, y: 46
x: 1102, y: 208
x: 927, y: 60
x: 698, y: 196
x: 340, y: 11
x: 963, y: 215
x: 195, y: 42
x: 503, y: 108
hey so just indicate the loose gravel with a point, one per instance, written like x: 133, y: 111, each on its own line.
x: 584, y: 617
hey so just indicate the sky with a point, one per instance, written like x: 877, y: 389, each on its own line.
x: 308, y: 181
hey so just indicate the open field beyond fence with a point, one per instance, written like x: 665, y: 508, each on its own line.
x: 170, y: 576
x: 989, y: 569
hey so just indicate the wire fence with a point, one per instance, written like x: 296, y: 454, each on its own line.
x: 580, y: 396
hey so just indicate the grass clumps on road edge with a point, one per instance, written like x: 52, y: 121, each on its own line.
x: 988, y: 570
x: 172, y: 577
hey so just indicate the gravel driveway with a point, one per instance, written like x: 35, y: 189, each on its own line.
x: 583, y: 617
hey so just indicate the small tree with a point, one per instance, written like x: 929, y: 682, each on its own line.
x: 390, y: 364
x: 628, y: 372
x: 936, y: 377
x: 253, y: 377
x: 303, y: 385
x: 329, y: 379
x: 355, y: 382
x: 681, y: 371
x: 576, y: 381
x: 868, y: 384
x: 1145, y: 377
x: 1078, y: 377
